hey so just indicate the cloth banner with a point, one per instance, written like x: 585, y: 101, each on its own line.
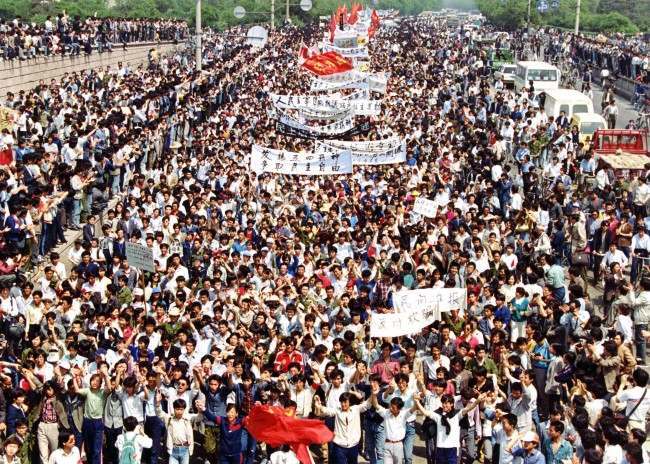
x: 376, y: 82
x: 288, y: 131
x: 416, y: 309
x: 305, y: 164
x: 425, y: 207
x: 390, y: 155
x: 324, y: 113
x: 327, y: 63
x: 328, y: 104
x: 374, y: 146
x: 335, y: 128
x: 349, y: 52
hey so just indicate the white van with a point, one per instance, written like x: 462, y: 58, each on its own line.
x: 568, y: 100
x: 545, y: 76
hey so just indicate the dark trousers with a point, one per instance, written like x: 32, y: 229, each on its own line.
x: 249, y: 447
x: 154, y: 429
x: 342, y: 455
x: 92, y: 431
x: 447, y: 455
x: 111, y: 455
x: 230, y: 459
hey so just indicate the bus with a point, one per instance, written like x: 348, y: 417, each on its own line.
x: 545, y: 76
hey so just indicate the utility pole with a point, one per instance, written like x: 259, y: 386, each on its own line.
x: 577, y: 17
x: 199, y: 50
x: 287, y: 11
x: 528, y: 16
x: 272, y: 14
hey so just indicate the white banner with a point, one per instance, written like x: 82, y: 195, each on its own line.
x: 324, y: 104
x: 416, y: 309
x: 305, y: 164
x: 324, y: 113
x: 335, y: 128
x: 425, y: 207
x: 390, y: 155
x: 140, y: 257
x: 377, y: 82
x: 352, y: 52
x: 368, y: 146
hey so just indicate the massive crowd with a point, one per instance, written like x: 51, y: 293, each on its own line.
x: 265, y: 284
x: 66, y: 35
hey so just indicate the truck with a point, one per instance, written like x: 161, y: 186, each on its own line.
x: 624, y: 150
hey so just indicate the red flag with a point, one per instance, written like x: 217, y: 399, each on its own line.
x: 332, y: 28
x: 354, y: 13
x: 271, y: 425
x: 374, y: 23
x: 327, y: 63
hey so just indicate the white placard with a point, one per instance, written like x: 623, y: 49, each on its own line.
x: 140, y: 257
x: 352, y: 52
x: 305, y: 164
x: 333, y: 104
x: 378, y: 146
x: 390, y: 155
x: 416, y: 309
x: 425, y: 207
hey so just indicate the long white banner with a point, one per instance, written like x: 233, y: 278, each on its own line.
x: 416, y: 309
x: 390, y: 155
x: 368, y: 146
x: 377, y: 82
x: 353, y: 52
x: 324, y: 104
x: 286, y: 162
x: 335, y: 128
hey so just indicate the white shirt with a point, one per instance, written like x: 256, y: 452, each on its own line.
x: 139, y: 443
x: 133, y: 405
x: 444, y: 440
x: 59, y: 457
x: 395, y: 426
x: 631, y: 397
x: 347, y: 424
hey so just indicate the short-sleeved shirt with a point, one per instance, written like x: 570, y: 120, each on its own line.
x: 95, y: 401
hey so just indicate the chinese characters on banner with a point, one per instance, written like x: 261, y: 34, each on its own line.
x: 335, y: 128
x: 416, y: 309
x: 140, y: 257
x: 391, y: 154
x: 305, y: 164
x: 376, y: 82
x: 283, y: 129
x: 425, y: 207
x: 324, y: 104
x: 352, y: 52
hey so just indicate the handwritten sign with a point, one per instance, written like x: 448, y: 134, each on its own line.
x: 140, y: 256
x: 425, y: 207
x: 306, y: 164
x: 416, y: 309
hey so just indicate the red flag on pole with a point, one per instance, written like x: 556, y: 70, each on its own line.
x: 374, y: 23
x: 274, y: 427
x: 332, y: 28
x: 354, y: 13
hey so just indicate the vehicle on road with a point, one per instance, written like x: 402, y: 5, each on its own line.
x: 587, y: 124
x: 544, y: 75
x: 624, y: 150
x: 506, y: 72
x: 568, y: 100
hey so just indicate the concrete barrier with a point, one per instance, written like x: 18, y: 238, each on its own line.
x: 22, y: 75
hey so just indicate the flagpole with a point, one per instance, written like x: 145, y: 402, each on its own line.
x: 272, y: 14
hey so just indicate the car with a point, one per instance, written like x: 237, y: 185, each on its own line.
x: 506, y: 73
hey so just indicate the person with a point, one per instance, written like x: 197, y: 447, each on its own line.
x: 180, y: 436
x: 447, y: 421
x: 131, y: 443
x: 557, y: 448
x: 529, y: 451
x: 66, y: 452
x: 10, y: 455
x: 231, y: 433
x: 395, y: 422
x: 633, y: 395
x: 347, y: 427
x: 93, y: 424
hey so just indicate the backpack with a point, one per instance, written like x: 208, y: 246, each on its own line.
x: 127, y: 455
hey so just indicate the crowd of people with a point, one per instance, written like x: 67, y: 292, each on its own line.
x: 66, y: 35
x: 265, y: 285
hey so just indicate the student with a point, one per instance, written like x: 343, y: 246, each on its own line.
x: 180, y: 435
x: 347, y: 428
x: 67, y: 452
x: 447, y: 421
x: 231, y: 434
x: 395, y: 419
x: 131, y: 443
x: 10, y: 455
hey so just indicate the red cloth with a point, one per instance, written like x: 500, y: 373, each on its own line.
x: 271, y: 425
x: 374, y: 23
x: 327, y: 63
x: 6, y: 156
x: 332, y: 28
x: 283, y: 359
x: 354, y: 13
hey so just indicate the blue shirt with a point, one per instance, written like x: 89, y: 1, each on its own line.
x: 533, y: 458
x: 565, y: 451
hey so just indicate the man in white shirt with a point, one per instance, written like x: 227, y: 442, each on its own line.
x: 634, y: 396
x: 614, y: 255
x: 347, y: 428
x: 640, y: 249
x: 395, y: 418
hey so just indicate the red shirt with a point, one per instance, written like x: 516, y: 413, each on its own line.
x: 283, y: 359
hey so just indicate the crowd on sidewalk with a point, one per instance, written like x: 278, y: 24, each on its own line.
x: 265, y: 284
x: 65, y: 35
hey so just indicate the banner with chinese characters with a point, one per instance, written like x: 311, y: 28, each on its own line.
x: 425, y: 207
x: 324, y: 104
x: 377, y: 82
x: 416, y: 309
x: 283, y: 129
x: 304, y: 164
x: 389, y: 155
x: 335, y: 128
x: 350, y: 52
